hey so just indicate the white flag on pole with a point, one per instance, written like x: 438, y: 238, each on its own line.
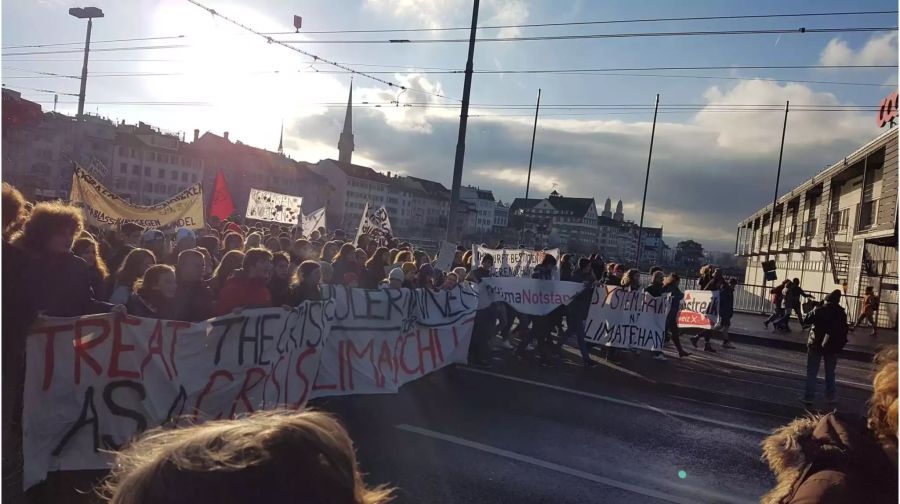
x: 313, y: 221
x: 376, y: 224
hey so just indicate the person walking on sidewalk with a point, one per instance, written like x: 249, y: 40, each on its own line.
x: 827, y: 337
x: 656, y: 289
x: 578, y: 310
x: 670, y: 285
x: 777, y: 298
x: 715, y: 283
x: 791, y: 301
x: 867, y: 313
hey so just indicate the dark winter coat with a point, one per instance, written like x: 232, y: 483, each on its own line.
x: 139, y: 307
x: 578, y: 308
x: 542, y: 272
x: 726, y: 302
x: 280, y: 289
x: 827, y: 319
x: 60, y: 285
x: 677, y: 297
x: 304, y: 291
x: 829, y: 459
x: 193, y: 302
x: 342, y: 267
x: 372, y: 276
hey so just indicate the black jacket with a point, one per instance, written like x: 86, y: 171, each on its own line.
x: 304, y: 291
x: 828, y: 319
x: 193, y: 302
x: 280, y: 290
x: 60, y: 285
x: 579, y: 307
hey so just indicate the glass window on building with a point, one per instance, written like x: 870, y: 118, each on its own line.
x: 135, y: 169
x: 123, y: 168
x: 146, y: 171
x: 184, y: 177
x: 161, y: 173
x: 174, y: 174
x: 121, y: 151
x: 194, y: 178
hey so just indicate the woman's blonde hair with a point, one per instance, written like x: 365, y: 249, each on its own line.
x: 270, y: 456
x: 82, y: 244
x: 883, y: 408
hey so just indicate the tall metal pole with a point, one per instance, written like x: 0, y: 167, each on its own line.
x: 461, y: 141
x: 87, y: 49
x: 537, y: 108
x: 640, y: 249
x: 787, y: 105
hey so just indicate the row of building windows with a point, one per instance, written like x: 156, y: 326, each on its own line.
x: 160, y: 157
x: 160, y: 173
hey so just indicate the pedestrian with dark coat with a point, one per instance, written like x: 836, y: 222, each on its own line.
x: 306, y: 283
x: 128, y: 238
x: 154, y: 294
x: 193, y: 296
x: 280, y: 283
x: 670, y: 286
x: 18, y: 314
x: 57, y: 281
x: 791, y: 301
x: 87, y: 249
x: 827, y: 337
x: 374, y: 270
x: 485, y: 324
x: 345, y: 262
x: 838, y: 458
x: 577, y: 311
x: 542, y: 325
x: 565, y: 268
x: 656, y: 289
x: 713, y: 281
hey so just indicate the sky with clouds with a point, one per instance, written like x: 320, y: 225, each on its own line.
x: 710, y: 167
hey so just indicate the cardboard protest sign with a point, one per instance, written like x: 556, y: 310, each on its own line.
x: 445, y: 256
x: 699, y: 310
x: 527, y: 295
x: 313, y: 221
x: 94, y: 382
x: 274, y: 207
x: 105, y: 209
x: 622, y: 319
x: 513, y: 262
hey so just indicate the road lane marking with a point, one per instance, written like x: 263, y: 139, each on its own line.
x: 623, y: 402
x: 630, y: 487
x: 866, y: 386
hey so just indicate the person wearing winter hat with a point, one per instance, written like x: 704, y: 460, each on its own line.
x: 155, y: 241
x: 185, y: 239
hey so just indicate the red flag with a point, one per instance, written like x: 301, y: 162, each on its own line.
x: 222, y: 205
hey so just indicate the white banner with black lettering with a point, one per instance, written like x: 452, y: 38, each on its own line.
x: 274, y: 207
x: 527, y: 295
x: 622, y: 319
x: 313, y: 222
x: 513, y: 262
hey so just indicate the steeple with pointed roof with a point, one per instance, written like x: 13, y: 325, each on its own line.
x: 618, y: 215
x: 281, y: 139
x: 345, y: 143
x: 607, y: 210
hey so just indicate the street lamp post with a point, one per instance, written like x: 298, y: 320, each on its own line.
x: 88, y: 13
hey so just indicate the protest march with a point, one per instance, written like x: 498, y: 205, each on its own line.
x: 162, y: 321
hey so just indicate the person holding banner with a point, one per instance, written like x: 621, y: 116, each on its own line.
x: 154, y: 294
x: 374, y: 271
x: 577, y: 311
x: 230, y: 263
x: 345, y: 262
x: 485, y: 320
x: 86, y: 248
x: 193, y: 297
x: 542, y: 325
x: 306, y: 283
x: 57, y: 281
x: 133, y: 267
x: 670, y: 286
x: 280, y: 283
x: 247, y: 287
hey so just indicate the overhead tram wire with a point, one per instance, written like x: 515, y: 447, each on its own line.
x: 773, y: 31
x: 81, y: 43
x: 600, y: 22
x: 48, y: 91
x: 99, y: 49
x: 317, y: 58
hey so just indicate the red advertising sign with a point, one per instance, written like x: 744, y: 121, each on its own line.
x: 888, y: 110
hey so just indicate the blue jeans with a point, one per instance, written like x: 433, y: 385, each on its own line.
x: 813, y: 358
x: 576, y: 326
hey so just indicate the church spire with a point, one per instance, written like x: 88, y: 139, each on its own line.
x: 281, y: 139
x: 345, y: 143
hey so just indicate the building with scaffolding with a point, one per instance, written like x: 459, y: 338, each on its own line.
x: 837, y: 230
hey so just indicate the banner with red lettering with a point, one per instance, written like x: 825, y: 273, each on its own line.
x: 94, y: 382
x: 699, y: 310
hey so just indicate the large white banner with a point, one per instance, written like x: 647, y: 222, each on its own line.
x: 103, y: 208
x: 313, y: 222
x: 274, y: 207
x: 699, y: 310
x: 527, y: 295
x: 622, y: 319
x: 94, y: 382
x: 513, y: 262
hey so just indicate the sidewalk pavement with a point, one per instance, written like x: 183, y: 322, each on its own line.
x: 748, y: 328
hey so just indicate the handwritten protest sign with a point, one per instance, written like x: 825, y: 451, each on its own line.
x: 313, y: 221
x: 445, y: 256
x: 274, y: 207
x: 699, y: 310
x: 94, y: 382
x: 375, y: 223
x: 513, y: 262
x: 622, y: 319
x: 106, y: 209
x: 527, y: 295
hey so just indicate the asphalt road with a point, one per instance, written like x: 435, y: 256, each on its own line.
x: 631, y: 430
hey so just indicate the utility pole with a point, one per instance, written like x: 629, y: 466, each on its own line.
x: 461, y: 141
x: 640, y: 247
x: 537, y: 108
x: 787, y: 105
x: 88, y: 13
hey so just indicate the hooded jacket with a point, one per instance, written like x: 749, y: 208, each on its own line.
x: 241, y: 291
x: 829, y: 459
